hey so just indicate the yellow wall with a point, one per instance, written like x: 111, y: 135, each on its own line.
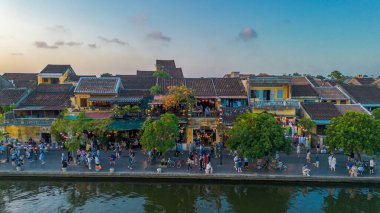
x: 77, y: 98
x: 338, y: 101
x: 23, y: 133
x: 285, y: 88
x: 62, y: 79
x: 285, y: 112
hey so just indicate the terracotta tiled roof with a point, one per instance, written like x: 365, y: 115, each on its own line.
x: 141, y: 73
x: 201, y: 86
x: 300, y: 81
x: 54, y: 88
x: 229, y: 87
x: 343, y: 108
x: 133, y: 93
x: 169, y: 67
x: 53, y: 68
x: 303, y: 91
x: 165, y: 83
x: 48, y: 97
x: 330, y: 93
x: 76, y: 78
x: 11, y: 96
x: 22, y: 79
x: 137, y: 82
x: 321, y: 110
x: 101, y: 85
x: 363, y: 94
x: 365, y: 81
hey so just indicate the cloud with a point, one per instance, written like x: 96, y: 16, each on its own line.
x: 93, y: 46
x: 156, y: 35
x: 139, y: 19
x: 73, y: 43
x: 113, y: 40
x: 59, y: 43
x: 17, y: 54
x: 58, y: 28
x: 43, y: 44
x: 247, y: 34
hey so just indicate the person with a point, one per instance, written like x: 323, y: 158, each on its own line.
x: 333, y: 163
x: 97, y: 164
x: 308, y: 156
x: 131, y: 160
x: 329, y: 161
x: 372, y: 165
x: 246, y: 163
x: 42, y: 158
x: 89, y: 159
x: 318, y: 146
x: 236, y: 159
x: 112, y: 160
x: 200, y: 162
x: 240, y: 164
x: 354, y: 171
x: 298, y: 150
x: 189, y: 163
x: 209, y: 169
x: 316, y: 164
x: 305, y: 170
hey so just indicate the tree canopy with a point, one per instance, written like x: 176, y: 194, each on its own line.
x: 256, y: 135
x: 376, y: 113
x: 337, y: 76
x: 155, y: 89
x: 307, y: 124
x: 160, y: 134
x: 72, y: 130
x: 354, y: 132
x: 106, y: 75
x: 161, y: 74
x: 179, y: 95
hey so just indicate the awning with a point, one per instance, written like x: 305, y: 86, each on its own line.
x: 321, y: 122
x: 120, y: 125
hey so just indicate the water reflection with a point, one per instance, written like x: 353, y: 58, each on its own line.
x: 18, y: 196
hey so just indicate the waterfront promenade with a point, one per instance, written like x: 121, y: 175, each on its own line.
x: 143, y: 170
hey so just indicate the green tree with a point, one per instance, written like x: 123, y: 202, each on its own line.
x: 307, y: 124
x: 321, y: 77
x: 337, y: 76
x: 179, y: 96
x: 376, y: 113
x: 106, y: 75
x: 161, y: 74
x: 155, y: 90
x: 160, y: 134
x: 296, y: 74
x: 354, y: 132
x: 257, y: 135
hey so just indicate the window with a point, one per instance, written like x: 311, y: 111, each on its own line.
x: 54, y: 81
x: 83, y: 102
x: 280, y: 94
x: 45, y: 80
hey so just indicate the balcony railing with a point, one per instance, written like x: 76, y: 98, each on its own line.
x: 30, y: 121
x: 202, y: 114
x: 285, y: 104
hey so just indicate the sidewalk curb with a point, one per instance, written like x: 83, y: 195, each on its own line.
x: 186, y: 177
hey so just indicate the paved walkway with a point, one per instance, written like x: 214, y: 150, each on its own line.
x: 294, y: 164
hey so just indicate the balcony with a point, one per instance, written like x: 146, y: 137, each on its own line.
x: 29, y: 121
x: 284, y: 104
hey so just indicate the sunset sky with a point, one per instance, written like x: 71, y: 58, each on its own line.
x: 205, y: 37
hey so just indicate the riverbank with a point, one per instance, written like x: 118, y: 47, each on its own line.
x: 185, y: 177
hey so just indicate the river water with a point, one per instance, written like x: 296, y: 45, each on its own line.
x: 110, y: 197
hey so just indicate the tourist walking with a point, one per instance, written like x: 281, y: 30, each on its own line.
x: 209, y: 169
x: 318, y: 146
x: 305, y: 170
x: 316, y: 164
x: 372, y: 165
x: 329, y: 161
x: 200, y: 162
x: 131, y: 160
x: 333, y: 163
x: 189, y: 162
x: 308, y: 156
x: 89, y: 159
x: 298, y: 150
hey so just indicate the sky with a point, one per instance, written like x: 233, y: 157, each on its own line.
x: 207, y: 38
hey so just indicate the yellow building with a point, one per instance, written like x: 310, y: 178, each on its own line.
x: 56, y: 74
x: 96, y: 92
x: 273, y: 94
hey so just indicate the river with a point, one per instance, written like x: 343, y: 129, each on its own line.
x: 110, y: 197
